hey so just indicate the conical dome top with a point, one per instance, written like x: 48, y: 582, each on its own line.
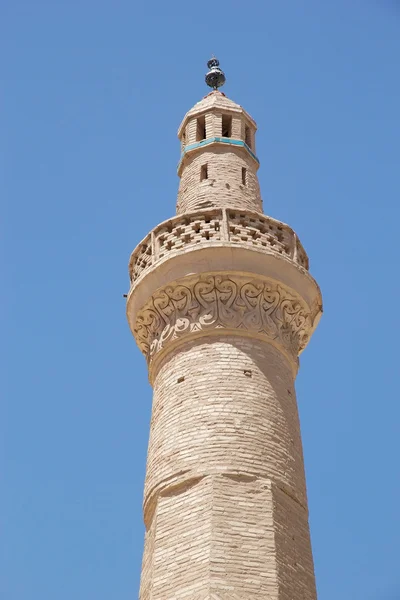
x: 215, y: 100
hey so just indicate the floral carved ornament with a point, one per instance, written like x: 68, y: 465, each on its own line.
x: 228, y: 302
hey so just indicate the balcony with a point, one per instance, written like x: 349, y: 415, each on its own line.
x: 220, y: 227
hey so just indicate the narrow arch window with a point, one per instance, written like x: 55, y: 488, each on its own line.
x: 203, y: 172
x: 244, y: 176
x: 247, y: 136
x: 226, y: 126
x: 201, y: 129
x: 183, y: 140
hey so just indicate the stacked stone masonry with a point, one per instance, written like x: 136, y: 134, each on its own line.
x: 225, y: 502
x: 224, y: 185
x: 221, y: 304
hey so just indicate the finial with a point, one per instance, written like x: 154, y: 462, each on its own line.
x: 215, y: 77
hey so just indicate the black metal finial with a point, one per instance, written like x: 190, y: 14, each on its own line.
x: 215, y: 77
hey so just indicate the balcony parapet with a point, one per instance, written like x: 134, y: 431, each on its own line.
x: 216, y: 227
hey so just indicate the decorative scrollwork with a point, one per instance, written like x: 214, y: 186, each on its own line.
x: 228, y: 302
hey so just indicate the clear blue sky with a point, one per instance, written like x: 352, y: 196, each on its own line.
x: 92, y: 94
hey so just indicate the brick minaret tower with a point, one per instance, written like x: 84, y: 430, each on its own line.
x: 221, y: 304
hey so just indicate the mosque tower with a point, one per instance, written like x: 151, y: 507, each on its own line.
x: 221, y: 304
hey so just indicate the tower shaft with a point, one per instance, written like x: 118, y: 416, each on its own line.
x: 225, y: 504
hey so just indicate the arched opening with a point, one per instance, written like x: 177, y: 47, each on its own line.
x: 226, y: 126
x: 247, y: 136
x: 203, y: 172
x: 201, y: 129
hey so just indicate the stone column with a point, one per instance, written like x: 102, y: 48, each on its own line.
x: 221, y: 305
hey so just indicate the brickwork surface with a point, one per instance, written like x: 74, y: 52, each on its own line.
x: 225, y: 501
x: 224, y: 186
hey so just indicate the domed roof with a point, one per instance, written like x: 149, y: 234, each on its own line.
x: 214, y: 100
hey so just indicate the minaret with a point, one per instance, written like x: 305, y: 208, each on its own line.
x: 221, y: 304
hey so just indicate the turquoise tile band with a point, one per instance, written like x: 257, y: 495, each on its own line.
x: 220, y: 140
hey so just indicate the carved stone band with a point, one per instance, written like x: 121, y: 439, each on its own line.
x: 208, y: 302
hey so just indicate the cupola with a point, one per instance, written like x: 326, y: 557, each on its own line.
x: 218, y: 164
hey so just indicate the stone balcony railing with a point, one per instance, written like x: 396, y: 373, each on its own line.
x: 216, y: 226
